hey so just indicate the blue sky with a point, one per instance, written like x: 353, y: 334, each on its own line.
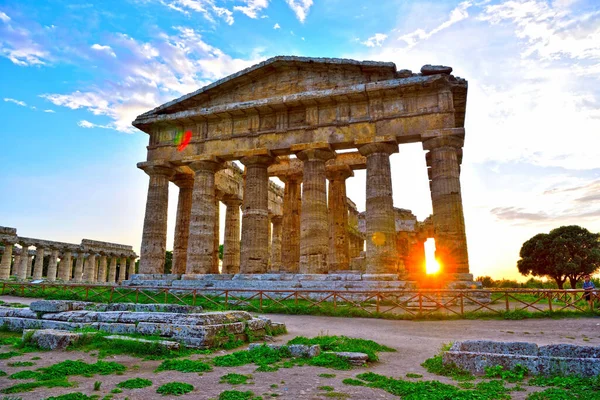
x: 74, y: 75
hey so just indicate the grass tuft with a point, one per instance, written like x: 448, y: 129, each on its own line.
x: 235, y: 379
x: 184, y: 366
x: 175, y: 389
x: 136, y: 383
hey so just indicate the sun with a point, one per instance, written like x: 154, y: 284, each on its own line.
x: 431, y: 264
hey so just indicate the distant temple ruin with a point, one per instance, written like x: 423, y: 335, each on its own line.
x: 306, y: 121
x: 91, y: 261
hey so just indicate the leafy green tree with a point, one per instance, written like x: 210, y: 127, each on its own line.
x: 220, y: 252
x: 568, y: 252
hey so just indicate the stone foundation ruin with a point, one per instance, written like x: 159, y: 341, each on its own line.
x: 186, y: 325
x: 555, y: 359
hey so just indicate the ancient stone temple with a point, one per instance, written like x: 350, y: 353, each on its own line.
x: 91, y: 261
x: 310, y: 122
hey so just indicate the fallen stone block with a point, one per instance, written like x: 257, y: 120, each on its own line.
x: 50, y: 339
x: 170, y: 345
x: 486, y: 346
x: 353, y: 357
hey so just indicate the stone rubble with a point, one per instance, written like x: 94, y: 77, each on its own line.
x: 182, y: 324
x: 555, y: 359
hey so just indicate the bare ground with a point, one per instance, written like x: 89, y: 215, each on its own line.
x: 414, y: 342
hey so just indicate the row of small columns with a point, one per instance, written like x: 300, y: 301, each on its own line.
x: 307, y: 213
x: 92, y: 269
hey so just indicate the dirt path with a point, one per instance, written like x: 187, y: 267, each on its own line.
x: 414, y: 342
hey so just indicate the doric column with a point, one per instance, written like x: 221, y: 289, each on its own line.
x: 380, y: 219
x: 448, y: 218
x: 276, y: 243
x: 314, y: 229
x: 131, y: 269
x: 122, y: 269
x: 51, y: 274
x: 231, y: 245
x: 6, y: 259
x: 255, y: 216
x: 290, y: 241
x: 38, y: 268
x: 66, y: 264
x: 354, y: 250
x: 339, y: 250
x: 202, y: 219
x: 78, y: 272
x: 154, y: 236
x: 182, y: 222
x: 89, y: 268
x: 16, y: 264
x: 112, y: 270
x: 102, y: 268
x: 216, y: 237
x: 29, y: 265
x: 24, y: 261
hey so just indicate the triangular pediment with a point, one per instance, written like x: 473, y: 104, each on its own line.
x: 280, y: 76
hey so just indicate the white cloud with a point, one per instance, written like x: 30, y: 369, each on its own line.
x: 300, y: 8
x: 252, y: 8
x: 18, y: 102
x: 375, y: 40
x: 49, y: 111
x: 151, y: 73
x: 207, y: 8
x: 87, y: 124
x: 106, y: 49
x: 456, y: 15
x: 18, y: 45
x: 276, y: 26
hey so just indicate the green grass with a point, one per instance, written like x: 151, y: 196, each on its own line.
x: 174, y: 389
x: 2, y: 373
x: 235, y: 379
x: 135, y: 383
x: 184, y: 366
x: 430, y: 390
x: 237, y: 395
x: 436, y: 366
x: 21, y: 364
x: 9, y: 354
x: 73, y: 396
x: 327, y: 375
x: 411, y: 375
x: 145, y: 350
x: 344, y: 343
x: 260, y: 356
x: 28, y: 387
x: 517, y: 374
x: 68, y: 368
x: 326, y: 388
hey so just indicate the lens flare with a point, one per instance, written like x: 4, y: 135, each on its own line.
x: 182, y: 139
x: 432, y: 266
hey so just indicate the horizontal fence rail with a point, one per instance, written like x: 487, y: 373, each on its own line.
x: 384, y: 303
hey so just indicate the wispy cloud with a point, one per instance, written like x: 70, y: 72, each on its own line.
x: 207, y: 8
x: 106, y: 49
x: 18, y: 45
x: 375, y: 40
x: 300, y: 8
x: 87, y: 124
x: 147, y: 74
x: 252, y: 8
x: 18, y: 102
x: 456, y: 15
x: 49, y: 111
x: 276, y: 26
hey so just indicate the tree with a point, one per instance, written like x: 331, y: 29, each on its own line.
x: 168, y: 261
x: 568, y: 252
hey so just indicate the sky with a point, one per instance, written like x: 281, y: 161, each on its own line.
x: 73, y: 75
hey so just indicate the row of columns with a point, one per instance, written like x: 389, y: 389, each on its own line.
x: 93, y: 268
x: 313, y: 232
